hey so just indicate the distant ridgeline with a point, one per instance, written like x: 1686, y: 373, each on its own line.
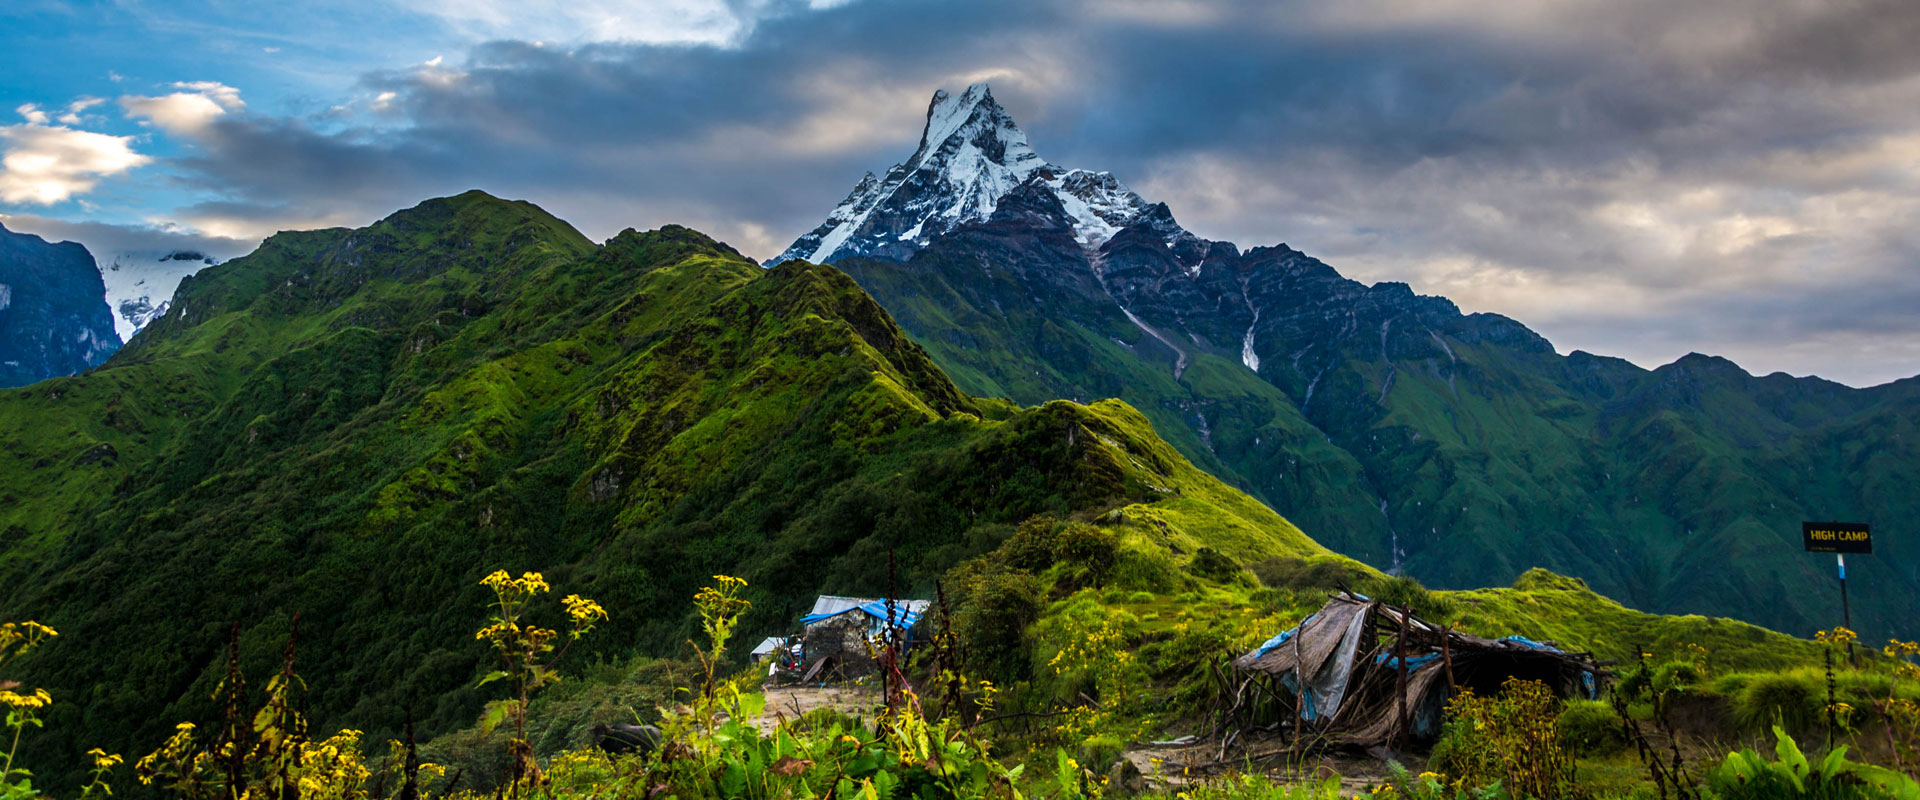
x: 1457, y: 448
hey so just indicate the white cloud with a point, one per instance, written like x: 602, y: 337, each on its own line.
x: 32, y: 113
x: 72, y: 115
x: 261, y: 224
x: 660, y: 22
x: 185, y: 113
x: 46, y: 164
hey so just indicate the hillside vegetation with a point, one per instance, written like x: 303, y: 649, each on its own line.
x: 354, y: 426
x: 1460, y: 449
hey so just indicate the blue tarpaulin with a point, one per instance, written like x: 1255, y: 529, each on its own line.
x: 877, y: 609
x: 1284, y: 636
x: 1413, y: 662
x: 1276, y: 641
x: 1531, y: 644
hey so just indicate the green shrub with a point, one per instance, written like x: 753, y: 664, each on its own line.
x: 1283, y: 572
x: 1787, y: 698
x: 1146, y: 573
x: 1090, y: 551
x: 1730, y: 684
x: 1402, y: 591
x: 1590, y: 727
x: 1512, y: 739
x: 1677, y: 676
x: 995, y: 606
x: 1033, y: 545
x: 1100, y: 751
x: 1214, y: 565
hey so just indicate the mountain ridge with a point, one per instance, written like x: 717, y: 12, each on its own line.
x: 1461, y: 448
x: 356, y: 425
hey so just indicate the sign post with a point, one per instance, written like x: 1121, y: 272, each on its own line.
x: 1839, y: 538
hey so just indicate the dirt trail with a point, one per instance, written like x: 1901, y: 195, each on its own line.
x: 1162, y: 766
x: 791, y: 702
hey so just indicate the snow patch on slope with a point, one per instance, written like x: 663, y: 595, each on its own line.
x: 140, y: 284
x: 1099, y: 204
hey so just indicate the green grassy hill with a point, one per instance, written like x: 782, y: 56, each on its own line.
x: 355, y: 425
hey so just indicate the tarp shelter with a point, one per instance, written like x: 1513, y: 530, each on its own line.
x: 767, y: 646
x: 1343, y: 671
x: 840, y: 636
x: 906, y: 613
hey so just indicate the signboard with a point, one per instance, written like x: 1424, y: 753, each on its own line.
x: 1836, y: 537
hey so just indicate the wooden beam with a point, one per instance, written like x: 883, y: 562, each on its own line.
x: 1400, y: 659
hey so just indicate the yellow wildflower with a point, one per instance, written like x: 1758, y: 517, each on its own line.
x: 531, y: 583
x: 500, y: 630
x: 101, y: 760
x: 1837, y: 637
x: 582, y: 610
x: 38, y: 699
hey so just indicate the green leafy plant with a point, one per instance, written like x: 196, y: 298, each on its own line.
x: 1902, y: 714
x: 527, y: 652
x: 1512, y: 739
x: 1747, y: 775
x: 23, y: 707
x: 268, y: 755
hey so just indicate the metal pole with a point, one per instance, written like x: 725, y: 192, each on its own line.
x: 1846, y: 612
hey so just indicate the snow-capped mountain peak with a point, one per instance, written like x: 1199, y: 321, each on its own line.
x: 947, y: 113
x: 971, y: 155
x: 140, y: 284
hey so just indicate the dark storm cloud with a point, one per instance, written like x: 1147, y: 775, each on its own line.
x: 739, y: 139
x: 1603, y: 171
x: 1845, y: 40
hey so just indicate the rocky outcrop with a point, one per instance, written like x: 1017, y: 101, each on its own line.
x: 53, y: 312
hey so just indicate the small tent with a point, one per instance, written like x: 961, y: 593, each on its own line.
x: 1363, y: 673
x: 767, y: 646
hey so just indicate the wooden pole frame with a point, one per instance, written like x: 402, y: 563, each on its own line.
x: 1400, y: 690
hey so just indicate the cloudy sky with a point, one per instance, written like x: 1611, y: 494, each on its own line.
x: 1641, y: 178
